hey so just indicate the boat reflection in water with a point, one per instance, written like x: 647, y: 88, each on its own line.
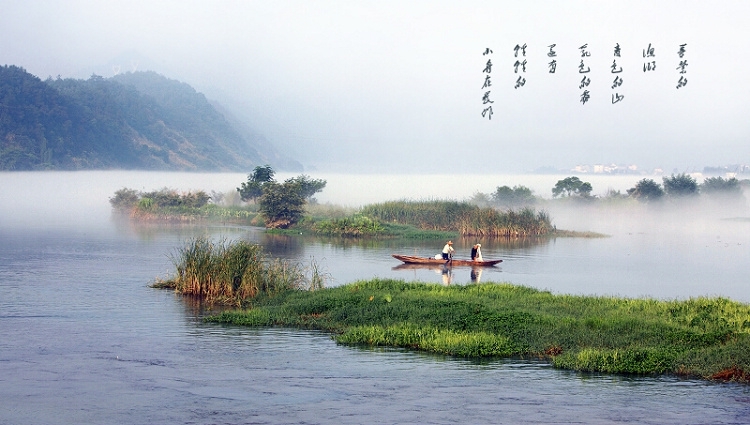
x: 447, y: 272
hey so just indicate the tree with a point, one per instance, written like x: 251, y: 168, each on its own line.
x: 515, y: 197
x: 584, y: 190
x: 253, y: 188
x: 680, y: 185
x: 718, y: 185
x: 646, y: 190
x: 263, y: 173
x: 124, y: 199
x: 281, y: 204
x: 307, y: 186
x: 480, y: 199
x: 571, y: 186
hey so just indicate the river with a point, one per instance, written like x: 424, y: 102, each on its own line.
x: 85, y: 340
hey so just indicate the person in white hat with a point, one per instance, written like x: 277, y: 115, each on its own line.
x: 448, y: 250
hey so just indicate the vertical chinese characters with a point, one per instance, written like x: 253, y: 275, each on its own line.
x: 682, y: 67
x: 583, y: 69
x: 552, y: 54
x: 649, y: 64
x: 616, y: 70
x: 520, y: 65
x: 487, y: 111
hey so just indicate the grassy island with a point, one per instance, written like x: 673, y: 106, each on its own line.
x: 404, y: 219
x: 702, y: 337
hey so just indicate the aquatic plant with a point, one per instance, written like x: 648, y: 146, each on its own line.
x: 356, y: 225
x: 466, y: 219
x: 232, y: 272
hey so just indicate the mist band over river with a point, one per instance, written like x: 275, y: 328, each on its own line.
x: 672, y: 252
x: 85, y: 340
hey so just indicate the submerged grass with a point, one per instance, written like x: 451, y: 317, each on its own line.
x: 697, y: 337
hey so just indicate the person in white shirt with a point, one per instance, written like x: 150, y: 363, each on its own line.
x: 448, y: 250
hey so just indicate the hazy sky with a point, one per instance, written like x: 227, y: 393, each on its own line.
x: 396, y: 86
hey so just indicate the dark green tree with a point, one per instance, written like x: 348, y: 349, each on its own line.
x: 308, y: 186
x: 721, y: 186
x: 572, y: 186
x: 585, y: 190
x: 253, y: 188
x: 680, y: 185
x: 263, y: 173
x: 513, y: 197
x: 281, y: 204
x: 646, y: 190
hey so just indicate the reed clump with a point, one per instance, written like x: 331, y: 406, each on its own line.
x: 230, y: 273
x: 701, y: 337
x: 462, y: 217
x: 354, y: 226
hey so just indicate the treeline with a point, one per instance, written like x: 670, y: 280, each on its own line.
x: 679, y: 186
x: 136, y: 120
x: 684, y: 185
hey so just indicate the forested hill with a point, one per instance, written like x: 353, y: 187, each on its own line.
x: 136, y: 121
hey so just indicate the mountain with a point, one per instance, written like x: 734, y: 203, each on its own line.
x: 138, y: 120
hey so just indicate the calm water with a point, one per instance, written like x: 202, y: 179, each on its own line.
x: 84, y: 340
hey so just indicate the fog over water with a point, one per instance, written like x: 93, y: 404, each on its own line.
x: 86, y: 340
x: 394, y: 89
x: 666, y: 251
x: 46, y: 198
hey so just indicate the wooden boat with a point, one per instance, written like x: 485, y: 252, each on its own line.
x: 411, y: 259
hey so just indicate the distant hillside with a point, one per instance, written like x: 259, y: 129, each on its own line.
x: 132, y: 121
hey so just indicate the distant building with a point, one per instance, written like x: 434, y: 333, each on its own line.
x: 606, y: 169
x: 723, y: 170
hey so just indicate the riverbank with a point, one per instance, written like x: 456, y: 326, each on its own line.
x: 701, y: 337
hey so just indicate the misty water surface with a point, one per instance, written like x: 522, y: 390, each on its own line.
x: 85, y: 340
x: 678, y: 251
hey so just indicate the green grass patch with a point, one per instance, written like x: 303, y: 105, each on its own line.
x: 697, y: 337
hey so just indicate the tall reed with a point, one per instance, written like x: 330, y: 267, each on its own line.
x: 231, y: 272
x: 467, y: 219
